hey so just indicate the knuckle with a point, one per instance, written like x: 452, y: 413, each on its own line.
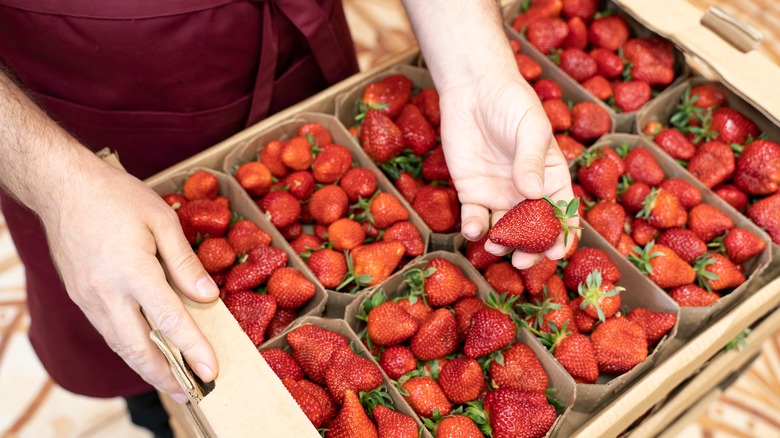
x: 168, y: 321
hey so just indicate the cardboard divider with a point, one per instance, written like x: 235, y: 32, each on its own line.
x: 625, y: 122
x: 347, y: 109
x: 248, y: 151
x: 559, y: 379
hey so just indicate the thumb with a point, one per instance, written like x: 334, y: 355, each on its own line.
x: 532, y: 141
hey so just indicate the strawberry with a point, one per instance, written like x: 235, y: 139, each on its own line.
x: 345, y: 234
x: 458, y: 426
x: 713, y: 163
x: 425, y: 396
x: 656, y: 324
x: 535, y: 277
x: 570, y: 148
x: 547, y: 34
x: 300, y: 184
x: 757, y: 170
x: 268, y: 256
x: 516, y: 413
x: 245, y: 235
x: 418, y: 308
x: 475, y: 253
x: 394, y: 424
x: 663, y: 266
x: 634, y: 196
x: 282, y: 364
x: 521, y: 369
x: 504, y: 279
x: 290, y: 288
x: 434, y: 206
x: 690, y: 295
x: 626, y: 245
x: 598, y: 86
x: 331, y: 163
x: 558, y: 113
x: 601, y: 298
x: 653, y: 74
x: 632, y: 95
x: 688, y: 195
x: 255, y: 178
x: 589, y: 121
x: 585, y: 261
x: 598, y: 174
x: 434, y: 167
x: 708, y: 222
x: 533, y: 225
x: 348, y: 370
x: 740, y: 245
x: 608, y: 32
x: 253, y: 312
x: 764, y: 214
x: 381, y: 139
x: 619, y: 344
x: 406, y: 233
x: 608, y: 64
x: 465, y: 308
x: 556, y: 290
x: 281, y: 208
x: 583, y: 9
x: 578, y: 34
x: 309, y: 402
x: 653, y: 128
x: 649, y: 51
x: 385, y: 210
x: 329, y: 266
x: 389, y: 324
x: 436, y: 337
x: 684, y: 242
x: 203, y: 218
x: 271, y: 156
x: 282, y: 318
x: 545, y: 315
x: 319, y: 134
x: 577, y: 64
x: 676, y: 144
x: 374, y: 262
x: 216, y: 254
x: 447, y: 283
x: 662, y: 210
x: 537, y: 10
x: 200, y: 185
x: 732, y: 126
x: 296, y: 154
x: 462, y: 380
x: 529, y: 69
x: 312, y: 348
x: 328, y: 204
x: 396, y: 361
x: 175, y: 200
x: 642, y: 232
x: 249, y: 275
x: 492, y: 328
x: 418, y: 134
x: 393, y: 91
x: 607, y: 219
x: 576, y: 354
x: 583, y: 322
x: 733, y: 196
x: 292, y: 231
x: 547, y: 89
x: 358, y: 183
x: 306, y: 244
x: 716, y: 272
x: 428, y: 102
x: 708, y: 96
x: 352, y: 421
x: 408, y: 185
x: 643, y: 167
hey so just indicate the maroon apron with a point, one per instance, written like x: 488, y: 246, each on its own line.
x: 158, y: 81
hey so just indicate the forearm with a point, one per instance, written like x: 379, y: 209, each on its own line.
x: 462, y: 41
x: 41, y: 163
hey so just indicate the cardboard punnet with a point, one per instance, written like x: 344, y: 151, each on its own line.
x: 625, y: 121
x: 692, y: 318
x: 248, y: 151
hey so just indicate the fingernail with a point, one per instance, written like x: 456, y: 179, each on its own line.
x: 204, y: 372
x: 533, y: 183
x: 206, y: 288
x: 180, y: 398
x: 471, y: 230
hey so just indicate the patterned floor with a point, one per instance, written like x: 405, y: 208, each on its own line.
x: 32, y: 406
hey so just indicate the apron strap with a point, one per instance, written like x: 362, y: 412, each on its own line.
x: 264, y: 83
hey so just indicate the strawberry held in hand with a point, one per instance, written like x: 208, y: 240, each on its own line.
x: 533, y: 225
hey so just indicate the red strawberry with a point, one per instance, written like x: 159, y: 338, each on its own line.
x: 538, y: 9
x: 433, y: 204
x: 732, y: 126
x: 708, y: 96
x: 358, y: 183
x: 630, y: 96
x: 634, y: 196
x: 733, y: 196
x: 708, y: 222
x: 688, y: 195
x: 436, y: 337
x: 576, y: 354
x: 619, y: 344
x: 684, y: 242
x: 583, y: 322
x: 419, y: 135
x: 203, y: 218
x: 521, y: 369
x: 465, y: 308
x: 516, y: 413
x: 312, y: 348
x: 309, y: 402
x: 529, y: 69
x: 578, y: 34
x: 570, y: 148
x: 329, y: 266
x: 643, y: 167
x: 385, y: 210
x: 764, y: 214
x: 585, y: 261
x: 547, y: 89
x: 690, y: 295
x: 584, y: 9
x: 282, y: 363
x: 175, y: 200
x: 393, y: 91
x: 296, y: 154
x: 556, y: 290
x: 598, y: 86
x: 609, y: 32
x: 352, y: 421
x: 434, y: 167
x: 380, y: 137
x: 282, y: 318
x: 653, y: 128
x: 425, y: 396
x: 589, y: 122
x: 345, y: 234
x: 662, y: 209
x: 653, y: 74
x: 394, y: 424
x: 249, y: 275
x: 626, y: 245
x: 245, y: 235
x: 406, y: 233
x: 547, y: 34
x: 642, y: 232
x: 253, y: 312
x: 331, y: 163
x: 663, y: 266
x: 649, y: 51
x: 255, y: 178
x: 328, y: 204
x: 447, y: 283
x: 578, y: 64
x: 758, y: 168
x: 741, y: 245
x: 533, y: 225
x: 491, y: 330
x: 504, y: 279
x: 397, y: 361
x: 408, y: 185
x: 200, y: 185
x: 348, y: 370
x: 601, y: 298
x: 475, y: 253
x: 416, y: 307
x: 676, y: 144
x: 300, y: 184
x: 428, y: 102
x: 656, y: 324
x: 292, y: 231
x: 716, y: 272
x: 389, y: 324
x: 607, y: 219
x: 535, y: 277
x: 458, y: 426
x: 599, y: 175
x: 608, y: 63
x: 216, y: 254
x: 290, y: 288
x: 713, y: 163
x: 462, y: 380
x: 281, y: 208
x: 271, y: 156
x: 376, y: 261
x: 318, y: 133
x: 558, y: 113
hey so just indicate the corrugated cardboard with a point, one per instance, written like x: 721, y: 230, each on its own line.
x: 248, y: 151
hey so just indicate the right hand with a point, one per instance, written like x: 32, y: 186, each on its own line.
x: 105, y: 241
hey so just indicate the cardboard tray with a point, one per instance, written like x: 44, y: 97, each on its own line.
x: 625, y: 121
x: 692, y: 318
x: 249, y: 150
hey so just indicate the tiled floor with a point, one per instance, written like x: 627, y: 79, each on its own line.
x: 31, y: 406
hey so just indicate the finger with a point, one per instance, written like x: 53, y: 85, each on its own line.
x: 183, y: 265
x: 476, y: 221
x: 532, y: 141
x: 168, y: 314
x: 523, y: 260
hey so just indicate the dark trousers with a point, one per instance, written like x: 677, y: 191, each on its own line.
x: 147, y: 411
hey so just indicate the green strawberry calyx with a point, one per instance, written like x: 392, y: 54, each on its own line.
x: 565, y: 211
x: 591, y: 294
